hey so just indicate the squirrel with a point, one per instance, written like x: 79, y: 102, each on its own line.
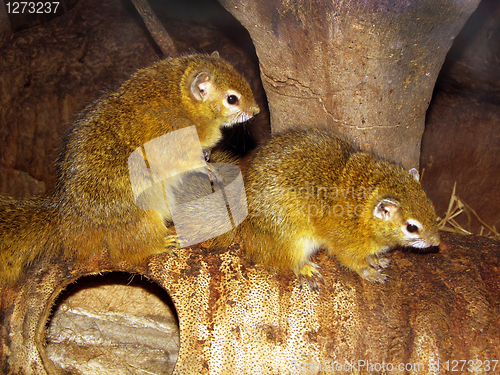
x: 309, y: 189
x: 92, y: 205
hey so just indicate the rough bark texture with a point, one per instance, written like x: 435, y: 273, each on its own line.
x: 364, y: 68
x: 236, y: 317
x: 461, y: 142
x: 155, y: 28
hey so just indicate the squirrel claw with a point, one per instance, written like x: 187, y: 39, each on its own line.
x: 207, y: 154
x: 214, y: 175
x: 378, y: 262
x: 373, y: 275
x: 172, y: 241
x: 309, y: 274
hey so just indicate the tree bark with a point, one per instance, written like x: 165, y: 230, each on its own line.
x: 366, y: 69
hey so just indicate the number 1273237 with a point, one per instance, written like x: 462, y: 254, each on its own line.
x: 39, y: 7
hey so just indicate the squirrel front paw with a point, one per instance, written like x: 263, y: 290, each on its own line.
x: 378, y: 262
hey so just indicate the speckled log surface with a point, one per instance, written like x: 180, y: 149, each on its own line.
x: 237, y: 317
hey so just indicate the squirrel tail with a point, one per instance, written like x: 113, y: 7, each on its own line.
x: 28, y: 227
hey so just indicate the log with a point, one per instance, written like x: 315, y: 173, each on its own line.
x: 238, y: 317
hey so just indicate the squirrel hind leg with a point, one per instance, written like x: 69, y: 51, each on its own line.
x: 223, y: 241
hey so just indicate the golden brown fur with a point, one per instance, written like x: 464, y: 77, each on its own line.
x: 309, y: 189
x: 93, y: 206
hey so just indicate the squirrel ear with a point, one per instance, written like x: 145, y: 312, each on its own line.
x: 415, y: 174
x: 215, y: 54
x: 201, y: 86
x: 386, y: 209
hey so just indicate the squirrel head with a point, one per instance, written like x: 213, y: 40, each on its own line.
x: 212, y: 89
x: 200, y: 90
x: 402, y: 213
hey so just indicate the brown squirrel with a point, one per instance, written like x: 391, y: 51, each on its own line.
x: 93, y: 206
x: 309, y: 190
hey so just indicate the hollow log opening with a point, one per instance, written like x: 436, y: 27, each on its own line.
x: 113, y: 323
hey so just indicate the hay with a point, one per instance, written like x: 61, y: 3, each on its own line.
x: 458, y: 207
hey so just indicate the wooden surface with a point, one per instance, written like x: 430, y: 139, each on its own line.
x: 237, y: 317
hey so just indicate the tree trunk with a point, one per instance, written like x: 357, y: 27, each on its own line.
x: 363, y: 68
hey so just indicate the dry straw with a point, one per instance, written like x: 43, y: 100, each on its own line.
x: 458, y: 207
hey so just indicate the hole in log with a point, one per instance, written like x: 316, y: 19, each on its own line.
x: 113, y: 323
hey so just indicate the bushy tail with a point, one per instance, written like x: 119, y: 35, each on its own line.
x: 28, y: 230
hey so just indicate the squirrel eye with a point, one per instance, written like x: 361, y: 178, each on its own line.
x: 411, y: 228
x: 232, y: 99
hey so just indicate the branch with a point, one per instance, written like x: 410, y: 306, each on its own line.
x: 158, y: 32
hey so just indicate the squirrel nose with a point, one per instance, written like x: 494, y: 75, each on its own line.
x: 255, y: 110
